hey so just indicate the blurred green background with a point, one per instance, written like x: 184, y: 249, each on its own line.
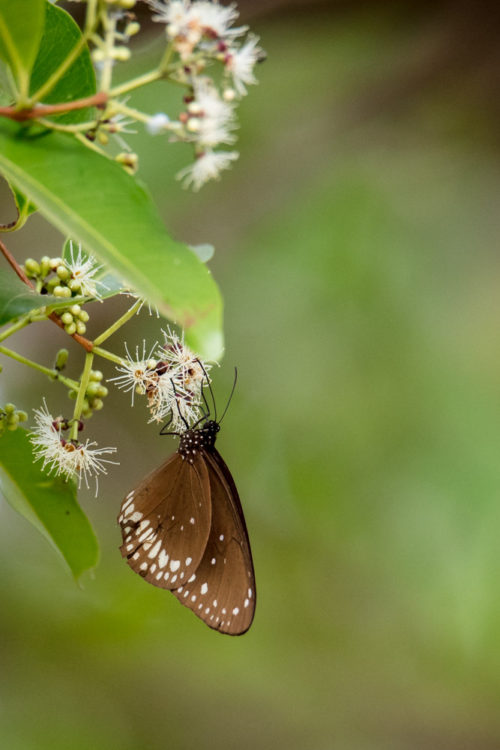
x: 356, y: 249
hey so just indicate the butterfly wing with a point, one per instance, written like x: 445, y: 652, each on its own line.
x: 165, y: 522
x: 221, y: 591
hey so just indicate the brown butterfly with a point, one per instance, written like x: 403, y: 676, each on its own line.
x: 183, y: 530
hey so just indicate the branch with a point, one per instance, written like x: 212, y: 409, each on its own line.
x: 87, y: 345
x: 45, y: 110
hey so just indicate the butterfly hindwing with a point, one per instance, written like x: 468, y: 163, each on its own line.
x: 221, y: 591
x: 166, y: 521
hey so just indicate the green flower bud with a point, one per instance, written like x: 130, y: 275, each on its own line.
x: 80, y: 327
x: 44, y: 266
x: 87, y: 413
x: 75, y: 285
x: 9, y: 408
x: 97, y: 404
x: 63, y: 354
x: 102, y: 391
x: 92, y: 389
x: 63, y: 272
x: 54, y: 262
x: 67, y: 318
x: 75, y: 310
x: 73, y: 395
x: 51, y: 285
x: 70, y: 329
x: 121, y: 53
x: 67, y: 291
x: 22, y: 416
x: 96, y: 375
x: 58, y: 291
x: 132, y: 28
x: 12, y: 420
x: 84, y: 316
x: 32, y: 267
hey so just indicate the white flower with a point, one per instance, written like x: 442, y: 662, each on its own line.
x: 70, y: 459
x: 83, y: 268
x: 240, y: 64
x: 190, y: 21
x: 157, y: 123
x: 206, y: 167
x: 139, y: 374
x: 216, y: 19
x: 211, y: 119
x: 182, y: 376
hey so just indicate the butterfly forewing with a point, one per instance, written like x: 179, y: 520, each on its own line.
x: 165, y: 522
x: 221, y: 591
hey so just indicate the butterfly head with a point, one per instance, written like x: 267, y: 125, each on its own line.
x: 198, y: 438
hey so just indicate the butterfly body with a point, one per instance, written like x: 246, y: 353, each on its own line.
x: 183, y: 530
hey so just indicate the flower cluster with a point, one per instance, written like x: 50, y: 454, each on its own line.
x: 201, y: 32
x: 10, y: 417
x: 68, y: 277
x: 67, y: 458
x: 171, y: 377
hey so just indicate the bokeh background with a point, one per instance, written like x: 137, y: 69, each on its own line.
x: 357, y: 252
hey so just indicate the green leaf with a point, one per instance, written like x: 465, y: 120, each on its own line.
x: 61, y: 35
x: 21, y: 27
x: 17, y: 299
x: 93, y: 200
x: 23, y: 208
x: 49, y: 503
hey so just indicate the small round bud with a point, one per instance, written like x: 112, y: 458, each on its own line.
x: 102, y: 391
x: 63, y: 273
x: 84, y: 316
x: 86, y: 405
x: 75, y: 310
x: 132, y: 28
x: 32, y: 267
x: 126, y: 4
x: 96, y: 375
x: 67, y: 318
x: 97, y: 404
x: 193, y: 125
x: 70, y: 329
x: 63, y: 354
x: 13, y: 421
x: 66, y: 292
x: 80, y: 327
x: 58, y: 291
x: 75, y: 285
x: 229, y: 95
x: 54, y: 262
x: 86, y: 413
x: 103, y: 138
x: 22, y: 416
x: 73, y: 395
x: 172, y: 30
x: 98, y: 55
x: 92, y: 389
x: 121, y: 54
x: 194, y: 108
x: 44, y: 265
x: 51, y: 284
x: 129, y: 161
x: 9, y: 408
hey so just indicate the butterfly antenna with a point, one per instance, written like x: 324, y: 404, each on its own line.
x: 210, y: 389
x: 177, y: 404
x: 230, y: 395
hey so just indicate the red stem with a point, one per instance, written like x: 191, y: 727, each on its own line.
x: 44, y: 110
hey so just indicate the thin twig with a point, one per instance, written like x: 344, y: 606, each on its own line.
x: 98, y: 100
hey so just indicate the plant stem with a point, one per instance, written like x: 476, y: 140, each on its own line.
x: 44, y: 110
x: 118, y: 323
x: 109, y: 23
x: 53, y: 374
x: 84, y: 382
x: 135, y: 83
x: 109, y: 355
x: 21, y: 323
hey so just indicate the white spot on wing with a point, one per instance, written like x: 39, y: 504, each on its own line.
x: 175, y: 565
x: 189, y: 560
x: 155, y: 549
x: 162, y: 559
x: 236, y: 610
x: 204, y: 588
